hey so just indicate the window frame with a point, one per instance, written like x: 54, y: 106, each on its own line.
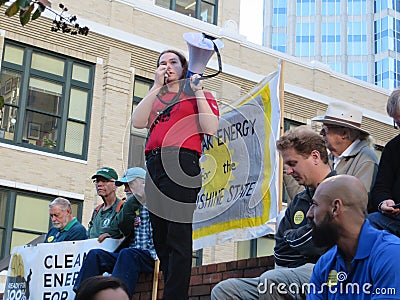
x: 11, y: 198
x: 172, y: 6
x: 67, y: 84
x: 135, y: 134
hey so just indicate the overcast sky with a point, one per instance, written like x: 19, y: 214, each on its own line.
x: 251, y: 20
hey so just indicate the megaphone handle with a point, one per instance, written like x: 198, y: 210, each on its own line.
x: 196, y: 80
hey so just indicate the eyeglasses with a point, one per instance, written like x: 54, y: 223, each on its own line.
x: 104, y: 180
x: 325, y: 128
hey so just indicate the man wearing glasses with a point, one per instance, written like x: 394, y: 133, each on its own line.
x: 136, y: 254
x: 351, y: 147
x: 385, y: 196
x: 102, y: 224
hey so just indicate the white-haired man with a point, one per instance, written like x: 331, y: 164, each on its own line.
x: 65, y: 226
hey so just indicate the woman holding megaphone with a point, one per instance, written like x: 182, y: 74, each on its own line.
x: 177, y: 121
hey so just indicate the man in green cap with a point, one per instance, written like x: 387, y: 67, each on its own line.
x: 102, y: 224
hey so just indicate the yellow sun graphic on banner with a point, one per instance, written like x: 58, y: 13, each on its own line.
x: 217, y: 167
x: 17, y: 266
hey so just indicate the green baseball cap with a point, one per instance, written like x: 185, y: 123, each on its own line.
x: 108, y: 173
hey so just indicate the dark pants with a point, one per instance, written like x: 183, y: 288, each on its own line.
x: 125, y: 265
x: 172, y: 185
x: 381, y: 221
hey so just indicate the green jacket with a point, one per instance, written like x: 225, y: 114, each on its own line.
x: 104, y: 221
x: 125, y: 220
x: 126, y: 217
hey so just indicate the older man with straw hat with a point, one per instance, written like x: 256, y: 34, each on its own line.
x: 350, y: 146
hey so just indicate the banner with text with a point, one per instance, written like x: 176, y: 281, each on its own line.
x: 239, y: 168
x: 48, y: 271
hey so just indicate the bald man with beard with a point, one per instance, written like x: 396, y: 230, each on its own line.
x: 363, y: 262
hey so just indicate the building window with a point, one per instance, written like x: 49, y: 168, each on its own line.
x: 358, y: 70
x: 387, y: 34
x: 25, y: 216
x: 357, y: 38
x: 262, y: 246
x: 305, y: 8
x: 280, y: 16
x: 137, y: 139
x: 205, y: 10
x: 279, y: 42
x: 387, y: 73
x: 330, y: 7
x: 335, y: 66
x: 47, y: 101
x: 356, y: 7
x: 305, y: 40
x: 330, y: 39
x: 381, y: 5
x: 382, y: 34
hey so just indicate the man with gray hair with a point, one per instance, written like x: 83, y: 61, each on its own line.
x: 65, y: 226
x: 386, y: 191
x: 350, y: 146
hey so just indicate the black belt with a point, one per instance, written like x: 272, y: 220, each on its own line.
x: 157, y: 151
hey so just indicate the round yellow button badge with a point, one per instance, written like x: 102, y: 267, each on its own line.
x: 298, y: 217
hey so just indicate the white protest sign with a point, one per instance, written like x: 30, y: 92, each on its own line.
x: 48, y: 271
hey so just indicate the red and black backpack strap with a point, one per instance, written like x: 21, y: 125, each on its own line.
x: 94, y: 214
x: 97, y: 209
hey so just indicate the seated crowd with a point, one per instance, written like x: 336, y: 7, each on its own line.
x: 329, y: 244
x: 114, y: 218
x: 335, y: 221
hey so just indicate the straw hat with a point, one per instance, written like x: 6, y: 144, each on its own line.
x: 342, y: 114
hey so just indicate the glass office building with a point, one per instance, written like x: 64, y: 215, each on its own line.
x: 357, y: 37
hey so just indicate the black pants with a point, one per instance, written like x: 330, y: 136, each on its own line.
x: 172, y: 184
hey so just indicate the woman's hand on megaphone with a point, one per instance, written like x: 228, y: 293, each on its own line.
x: 195, y: 83
x: 160, y: 79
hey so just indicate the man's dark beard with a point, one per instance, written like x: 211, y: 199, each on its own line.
x: 326, y: 234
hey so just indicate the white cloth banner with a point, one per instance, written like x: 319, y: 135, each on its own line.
x: 239, y: 168
x: 48, y: 271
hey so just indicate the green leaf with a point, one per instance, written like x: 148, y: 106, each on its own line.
x: 1, y: 102
x: 25, y: 16
x: 12, y: 9
x: 36, y: 14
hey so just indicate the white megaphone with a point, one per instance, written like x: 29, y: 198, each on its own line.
x: 201, y: 48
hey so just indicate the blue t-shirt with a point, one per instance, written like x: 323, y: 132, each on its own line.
x: 74, y: 231
x: 374, y: 272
